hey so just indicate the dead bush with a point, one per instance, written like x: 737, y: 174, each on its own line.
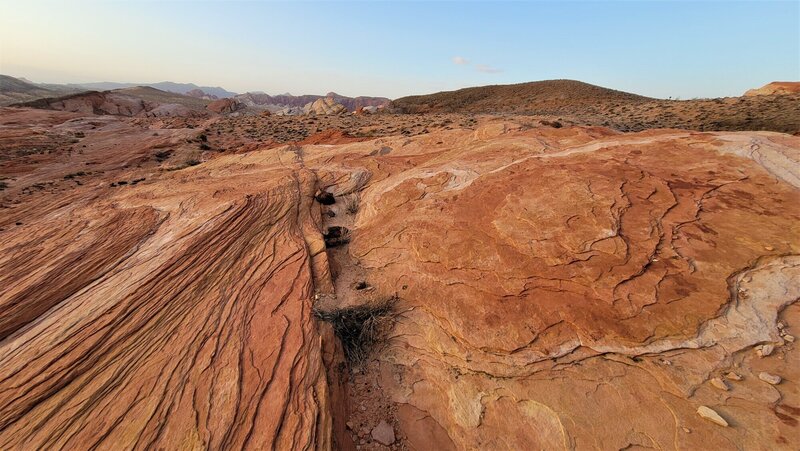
x: 362, y: 328
x: 351, y: 203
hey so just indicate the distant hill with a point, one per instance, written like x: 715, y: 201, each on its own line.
x: 135, y: 101
x: 13, y: 90
x: 284, y: 101
x: 538, y: 97
x: 180, y: 88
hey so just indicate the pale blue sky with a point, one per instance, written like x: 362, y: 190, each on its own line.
x: 661, y: 49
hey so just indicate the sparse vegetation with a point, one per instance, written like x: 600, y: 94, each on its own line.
x: 351, y: 203
x: 336, y: 236
x: 361, y: 328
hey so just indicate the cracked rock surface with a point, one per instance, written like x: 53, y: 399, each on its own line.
x: 571, y: 288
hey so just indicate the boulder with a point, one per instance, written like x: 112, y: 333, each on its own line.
x: 324, y: 106
x: 224, y: 106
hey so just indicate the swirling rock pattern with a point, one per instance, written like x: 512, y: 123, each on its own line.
x: 176, y: 315
x: 579, y: 289
x: 559, y: 288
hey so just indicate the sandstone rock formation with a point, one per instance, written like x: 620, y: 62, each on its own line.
x: 224, y: 106
x: 776, y: 87
x: 324, y: 106
x: 169, y: 315
x: 567, y: 287
x: 577, y: 288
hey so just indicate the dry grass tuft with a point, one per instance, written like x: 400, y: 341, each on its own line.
x: 351, y: 203
x: 361, y: 328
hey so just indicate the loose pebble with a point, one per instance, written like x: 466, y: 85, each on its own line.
x: 720, y: 384
x: 712, y: 416
x: 769, y: 378
x: 733, y: 376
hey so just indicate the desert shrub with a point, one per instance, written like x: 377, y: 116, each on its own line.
x: 351, y: 203
x: 362, y: 328
x: 336, y: 236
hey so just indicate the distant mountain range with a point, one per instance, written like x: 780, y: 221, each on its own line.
x: 169, y: 86
x: 16, y: 90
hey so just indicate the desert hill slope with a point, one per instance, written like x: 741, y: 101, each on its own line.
x: 572, y: 102
x: 13, y: 90
x: 538, y: 97
x: 136, y: 101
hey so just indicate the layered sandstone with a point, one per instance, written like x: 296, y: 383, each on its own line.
x: 567, y: 287
x: 174, y: 314
x: 580, y: 288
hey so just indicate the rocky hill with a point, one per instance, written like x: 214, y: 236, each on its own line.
x: 776, y: 87
x: 480, y: 283
x: 572, y: 102
x: 289, y: 102
x: 136, y: 101
x: 539, y: 97
x: 14, y: 90
x: 211, y: 92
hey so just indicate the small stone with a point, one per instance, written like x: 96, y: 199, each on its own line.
x: 687, y: 430
x: 712, y: 416
x: 383, y: 433
x: 350, y: 425
x: 769, y: 248
x: 720, y: 384
x: 733, y: 376
x: 362, y: 408
x: 789, y: 338
x: 780, y: 325
x: 769, y: 378
x: 767, y: 349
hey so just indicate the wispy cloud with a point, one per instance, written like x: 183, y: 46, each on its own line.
x: 487, y: 69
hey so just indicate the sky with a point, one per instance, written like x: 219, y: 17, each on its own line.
x: 682, y: 49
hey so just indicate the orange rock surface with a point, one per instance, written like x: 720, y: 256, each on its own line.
x: 558, y: 288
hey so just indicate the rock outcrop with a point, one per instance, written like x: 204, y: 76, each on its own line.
x: 776, y: 87
x: 567, y: 287
x: 324, y: 106
x: 170, y: 315
x: 224, y: 106
x: 576, y: 288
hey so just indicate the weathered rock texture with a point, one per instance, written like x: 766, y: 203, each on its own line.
x: 327, y: 105
x: 171, y: 315
x: 559, y: 288
x: 776, y: 87
x: 579, y: 289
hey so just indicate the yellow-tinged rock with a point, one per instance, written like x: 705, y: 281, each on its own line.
x: 712, y: 416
